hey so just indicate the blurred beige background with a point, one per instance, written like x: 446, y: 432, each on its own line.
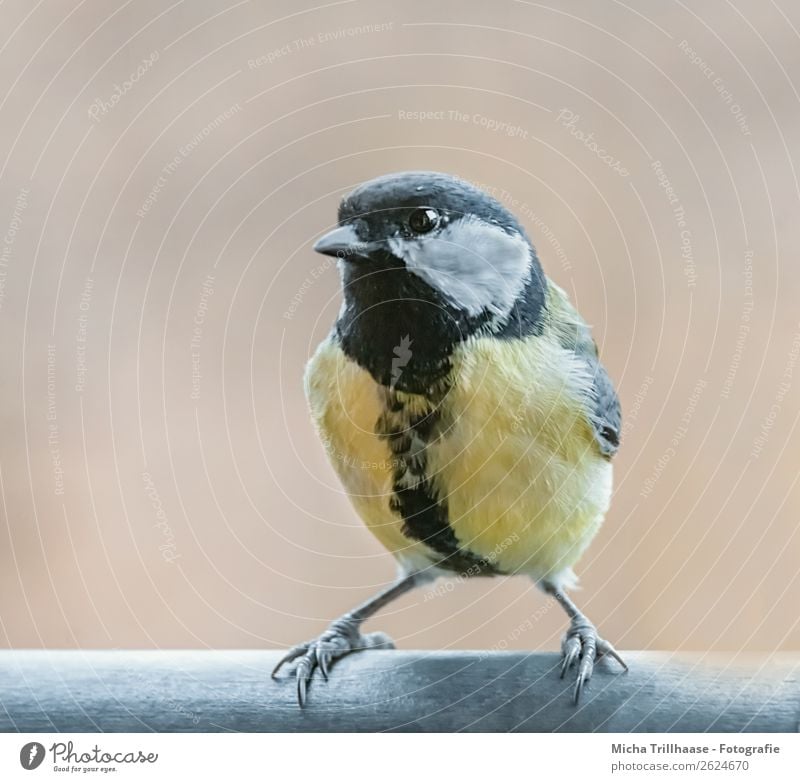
x: 164, y: 170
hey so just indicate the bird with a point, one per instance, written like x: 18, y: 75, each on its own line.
x: 461, y: 400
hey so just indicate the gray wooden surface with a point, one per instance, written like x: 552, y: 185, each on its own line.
x: 393, y: 690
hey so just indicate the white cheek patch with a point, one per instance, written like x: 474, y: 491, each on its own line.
x: 474, y: 265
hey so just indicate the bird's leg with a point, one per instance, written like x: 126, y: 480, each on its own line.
x: 344, y: 636
x: 581, y: 642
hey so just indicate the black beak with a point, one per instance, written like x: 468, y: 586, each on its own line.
x: 343, y: 242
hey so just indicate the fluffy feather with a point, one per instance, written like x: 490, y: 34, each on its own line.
x: 517, y: 461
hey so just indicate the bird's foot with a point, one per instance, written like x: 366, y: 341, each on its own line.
x: 341, y: 638
x: 583, y: 645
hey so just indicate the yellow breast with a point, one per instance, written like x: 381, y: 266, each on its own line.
x: 515, y: 460
x: 525, y: 484
x: 345, y: 406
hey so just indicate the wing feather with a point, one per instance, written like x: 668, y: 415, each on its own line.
x: 604, y: 408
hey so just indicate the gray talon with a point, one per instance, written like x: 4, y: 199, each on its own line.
x: 585, y: 670
x: 571, y: 648
x: 582, y: 643
x: 320, y: 654
x: 604, y: 647
x: 322, y: 661
x: 292, y: 654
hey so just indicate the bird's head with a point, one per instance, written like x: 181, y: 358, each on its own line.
x: 461, y: 247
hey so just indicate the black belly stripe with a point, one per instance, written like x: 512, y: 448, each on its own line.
x: 425, y: 516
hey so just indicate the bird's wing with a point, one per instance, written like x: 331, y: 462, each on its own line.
x: 607, y: 418
x: 573, y: 333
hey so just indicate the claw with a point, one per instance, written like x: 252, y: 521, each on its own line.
x: 584, y: 671
x: 579, y: 682
x: 572, y: 648
x: 323, y: 652
x: 582, y: 644
x: 301, y: 691
x: 292, y: 654
x: 304, y: 671
x: 604, y: 647
x: 322, y: 662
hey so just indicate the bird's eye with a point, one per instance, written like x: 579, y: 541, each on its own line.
x: 423, y: 220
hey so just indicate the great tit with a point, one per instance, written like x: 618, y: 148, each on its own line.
x: 462, y: 403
